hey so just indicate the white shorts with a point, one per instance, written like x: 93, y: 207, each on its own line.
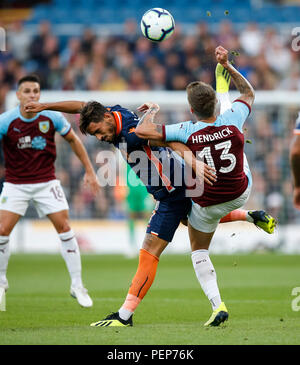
x: 47, y: 197
x: 206, y: 219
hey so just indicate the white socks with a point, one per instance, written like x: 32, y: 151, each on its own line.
x: 206, y: 276
x: 125, y: 313
x: 4, y: 256
x: 71, y: 254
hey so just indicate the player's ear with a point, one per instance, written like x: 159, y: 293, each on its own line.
x: 107, y: 115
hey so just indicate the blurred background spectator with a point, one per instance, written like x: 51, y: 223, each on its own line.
x: 123, y: 60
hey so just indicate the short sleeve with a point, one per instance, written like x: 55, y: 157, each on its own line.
x: 179, y: 132
x: 5, y: 119
x: 61, y: 125
x: 237, y: 114
x: 3, y: 127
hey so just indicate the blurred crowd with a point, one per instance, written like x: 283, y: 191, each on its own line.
x: 131, y: 62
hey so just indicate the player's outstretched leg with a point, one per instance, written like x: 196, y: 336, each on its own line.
x: 139, y: 287
x: 263, y: 220
x: 258, y: 217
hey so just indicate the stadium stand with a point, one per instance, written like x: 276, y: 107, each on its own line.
x: 97, y: 45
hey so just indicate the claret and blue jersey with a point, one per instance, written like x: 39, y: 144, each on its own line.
x: 29, y: 145
x: 220, y: 145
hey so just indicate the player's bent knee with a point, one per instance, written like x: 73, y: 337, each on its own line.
x: 62, y: 227
x: 154, y: 244
x: 6, y: 228
x: 4, y: 231
x: 65, y: 227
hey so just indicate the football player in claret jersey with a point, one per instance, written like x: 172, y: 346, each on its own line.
x: 295, y: 162
x: 219, y: 141
x: 116, y: 125
x: 29, y: 153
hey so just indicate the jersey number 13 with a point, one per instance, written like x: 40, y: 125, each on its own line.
x: 225, y: 155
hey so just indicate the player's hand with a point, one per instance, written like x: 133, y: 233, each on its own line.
x: 221, y: 55
x: 297, y: 197
x: 91, y: 181
x: 33, y: 107
x: 145, y: 107
x: 205, y: 172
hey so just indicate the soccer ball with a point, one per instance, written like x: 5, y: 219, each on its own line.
x: 157, y: 24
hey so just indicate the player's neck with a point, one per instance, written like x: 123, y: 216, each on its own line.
x: 209, y: 120
x: 25, y: 114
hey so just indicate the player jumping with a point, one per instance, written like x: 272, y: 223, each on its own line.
x: 115, y: 125
x: 220, y: 141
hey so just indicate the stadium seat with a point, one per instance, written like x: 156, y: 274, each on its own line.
x: 185, y: 11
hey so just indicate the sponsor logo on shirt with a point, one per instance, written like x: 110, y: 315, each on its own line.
x: 37, y: 143
x: 24, y: 142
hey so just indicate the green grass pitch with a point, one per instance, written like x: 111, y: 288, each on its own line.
x: 256, y: 288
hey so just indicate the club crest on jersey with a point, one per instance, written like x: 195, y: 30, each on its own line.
x: 44, y: 126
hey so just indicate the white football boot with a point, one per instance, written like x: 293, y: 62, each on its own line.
x: 81, y: 294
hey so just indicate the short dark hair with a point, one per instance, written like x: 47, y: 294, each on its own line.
x: 91, y: 112
x: 29, y: 78
x: 202, y: 99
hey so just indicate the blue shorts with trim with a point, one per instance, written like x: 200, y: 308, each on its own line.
x: 168, y: 213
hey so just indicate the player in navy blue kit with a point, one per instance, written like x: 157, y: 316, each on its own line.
x: 295, y: 162
x: 29, y: 153
x: 161, y: 171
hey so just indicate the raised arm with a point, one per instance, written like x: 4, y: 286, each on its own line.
x: 146, y: 128
x: 71, y: 107
x: 242, y: 84
x: 201, y: 169
x: 153, y: 132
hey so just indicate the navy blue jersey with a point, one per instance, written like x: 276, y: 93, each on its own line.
x: 159, y: 168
